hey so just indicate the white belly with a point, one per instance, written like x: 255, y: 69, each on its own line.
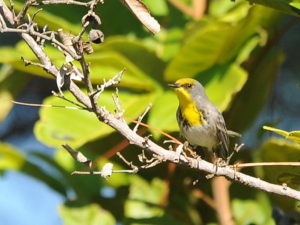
x: 200, y: 136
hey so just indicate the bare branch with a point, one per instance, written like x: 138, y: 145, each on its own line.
x: 117, y: 103
x: 78, y: 156
x: 22, y: 13
x: 65, y: 2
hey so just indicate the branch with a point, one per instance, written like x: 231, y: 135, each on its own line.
x: 90, y: 101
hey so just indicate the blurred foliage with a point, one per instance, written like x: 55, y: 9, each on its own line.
x: 232, y: 50
x: 280, y: 150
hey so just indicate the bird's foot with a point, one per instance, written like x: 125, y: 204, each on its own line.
x: 219, y: 162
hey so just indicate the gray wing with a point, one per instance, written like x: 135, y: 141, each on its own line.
x: 222, y: 137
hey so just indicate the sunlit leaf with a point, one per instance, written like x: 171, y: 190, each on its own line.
x: 212, y: 42
x: 163, y: 113
x: 143, y: 208
x: 137, y: 53
x: 157, y: 7
x: 292, y: 135
x: 222, y: 83
x: 10, y: 158
x: 106, y: 62
x: 6, y: 104
x: 281, y: 150
x: 289, y: 7
x: 278, y: 131
x: 250, y: 212
x: 59, y: 126
x: 91, y: 214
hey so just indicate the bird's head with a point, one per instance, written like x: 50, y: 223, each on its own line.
x: 187, y: 89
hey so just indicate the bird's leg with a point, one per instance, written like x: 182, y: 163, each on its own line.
x: 217, y: 161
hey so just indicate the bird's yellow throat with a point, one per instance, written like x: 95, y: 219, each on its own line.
x: 188, y: 108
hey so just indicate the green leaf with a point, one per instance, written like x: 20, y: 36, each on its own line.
x: 292, y: 135
x: 59, y: 126
x: 163, y: 113
x: 157, y: 7
x: 11, y: 83
x: 112, y: 59
x: 280, y: 150
x: 91, y: 214
x: 13, y: 57
x: 250, y: 212
x: 105, y: 62
x: 212, y: 42
x: 143, y: 208
x: 278, y: 131
x: 137, y: 53
x: 10, y: 158
x: 290, y: 7
x: 6, y: 103
x: 222, y: 83
x: 138, y: 204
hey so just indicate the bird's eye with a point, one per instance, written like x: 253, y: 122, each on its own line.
x: 188, y: 85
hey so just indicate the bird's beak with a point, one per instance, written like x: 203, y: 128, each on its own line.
x: 173, y: 85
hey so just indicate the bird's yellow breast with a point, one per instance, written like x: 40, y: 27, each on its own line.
x: 188, y: 108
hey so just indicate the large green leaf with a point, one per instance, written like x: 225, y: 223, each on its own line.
x: 157, y: 7
x: 13, y: 57
x: 59, y: 126
x: 212, y: 42
x: 163, y: 113
x: 250, y: 212
x: 91, y: 214
x: 280, y: 150
x: 137, y: 52
x: 143, y: 208
x: 222, y: 83
x: 104, y: 62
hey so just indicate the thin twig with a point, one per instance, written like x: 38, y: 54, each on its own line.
x: 117, y: 103
x: 23, y: 11
x: 65, y: 2
x: 100, y: 172
x: 141, y: 118
x: 70, y: 101
x: 246, y: 165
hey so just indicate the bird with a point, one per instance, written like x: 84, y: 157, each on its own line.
x: 200, y: 122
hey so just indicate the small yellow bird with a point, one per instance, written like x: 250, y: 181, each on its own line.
x: 199, y: 120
